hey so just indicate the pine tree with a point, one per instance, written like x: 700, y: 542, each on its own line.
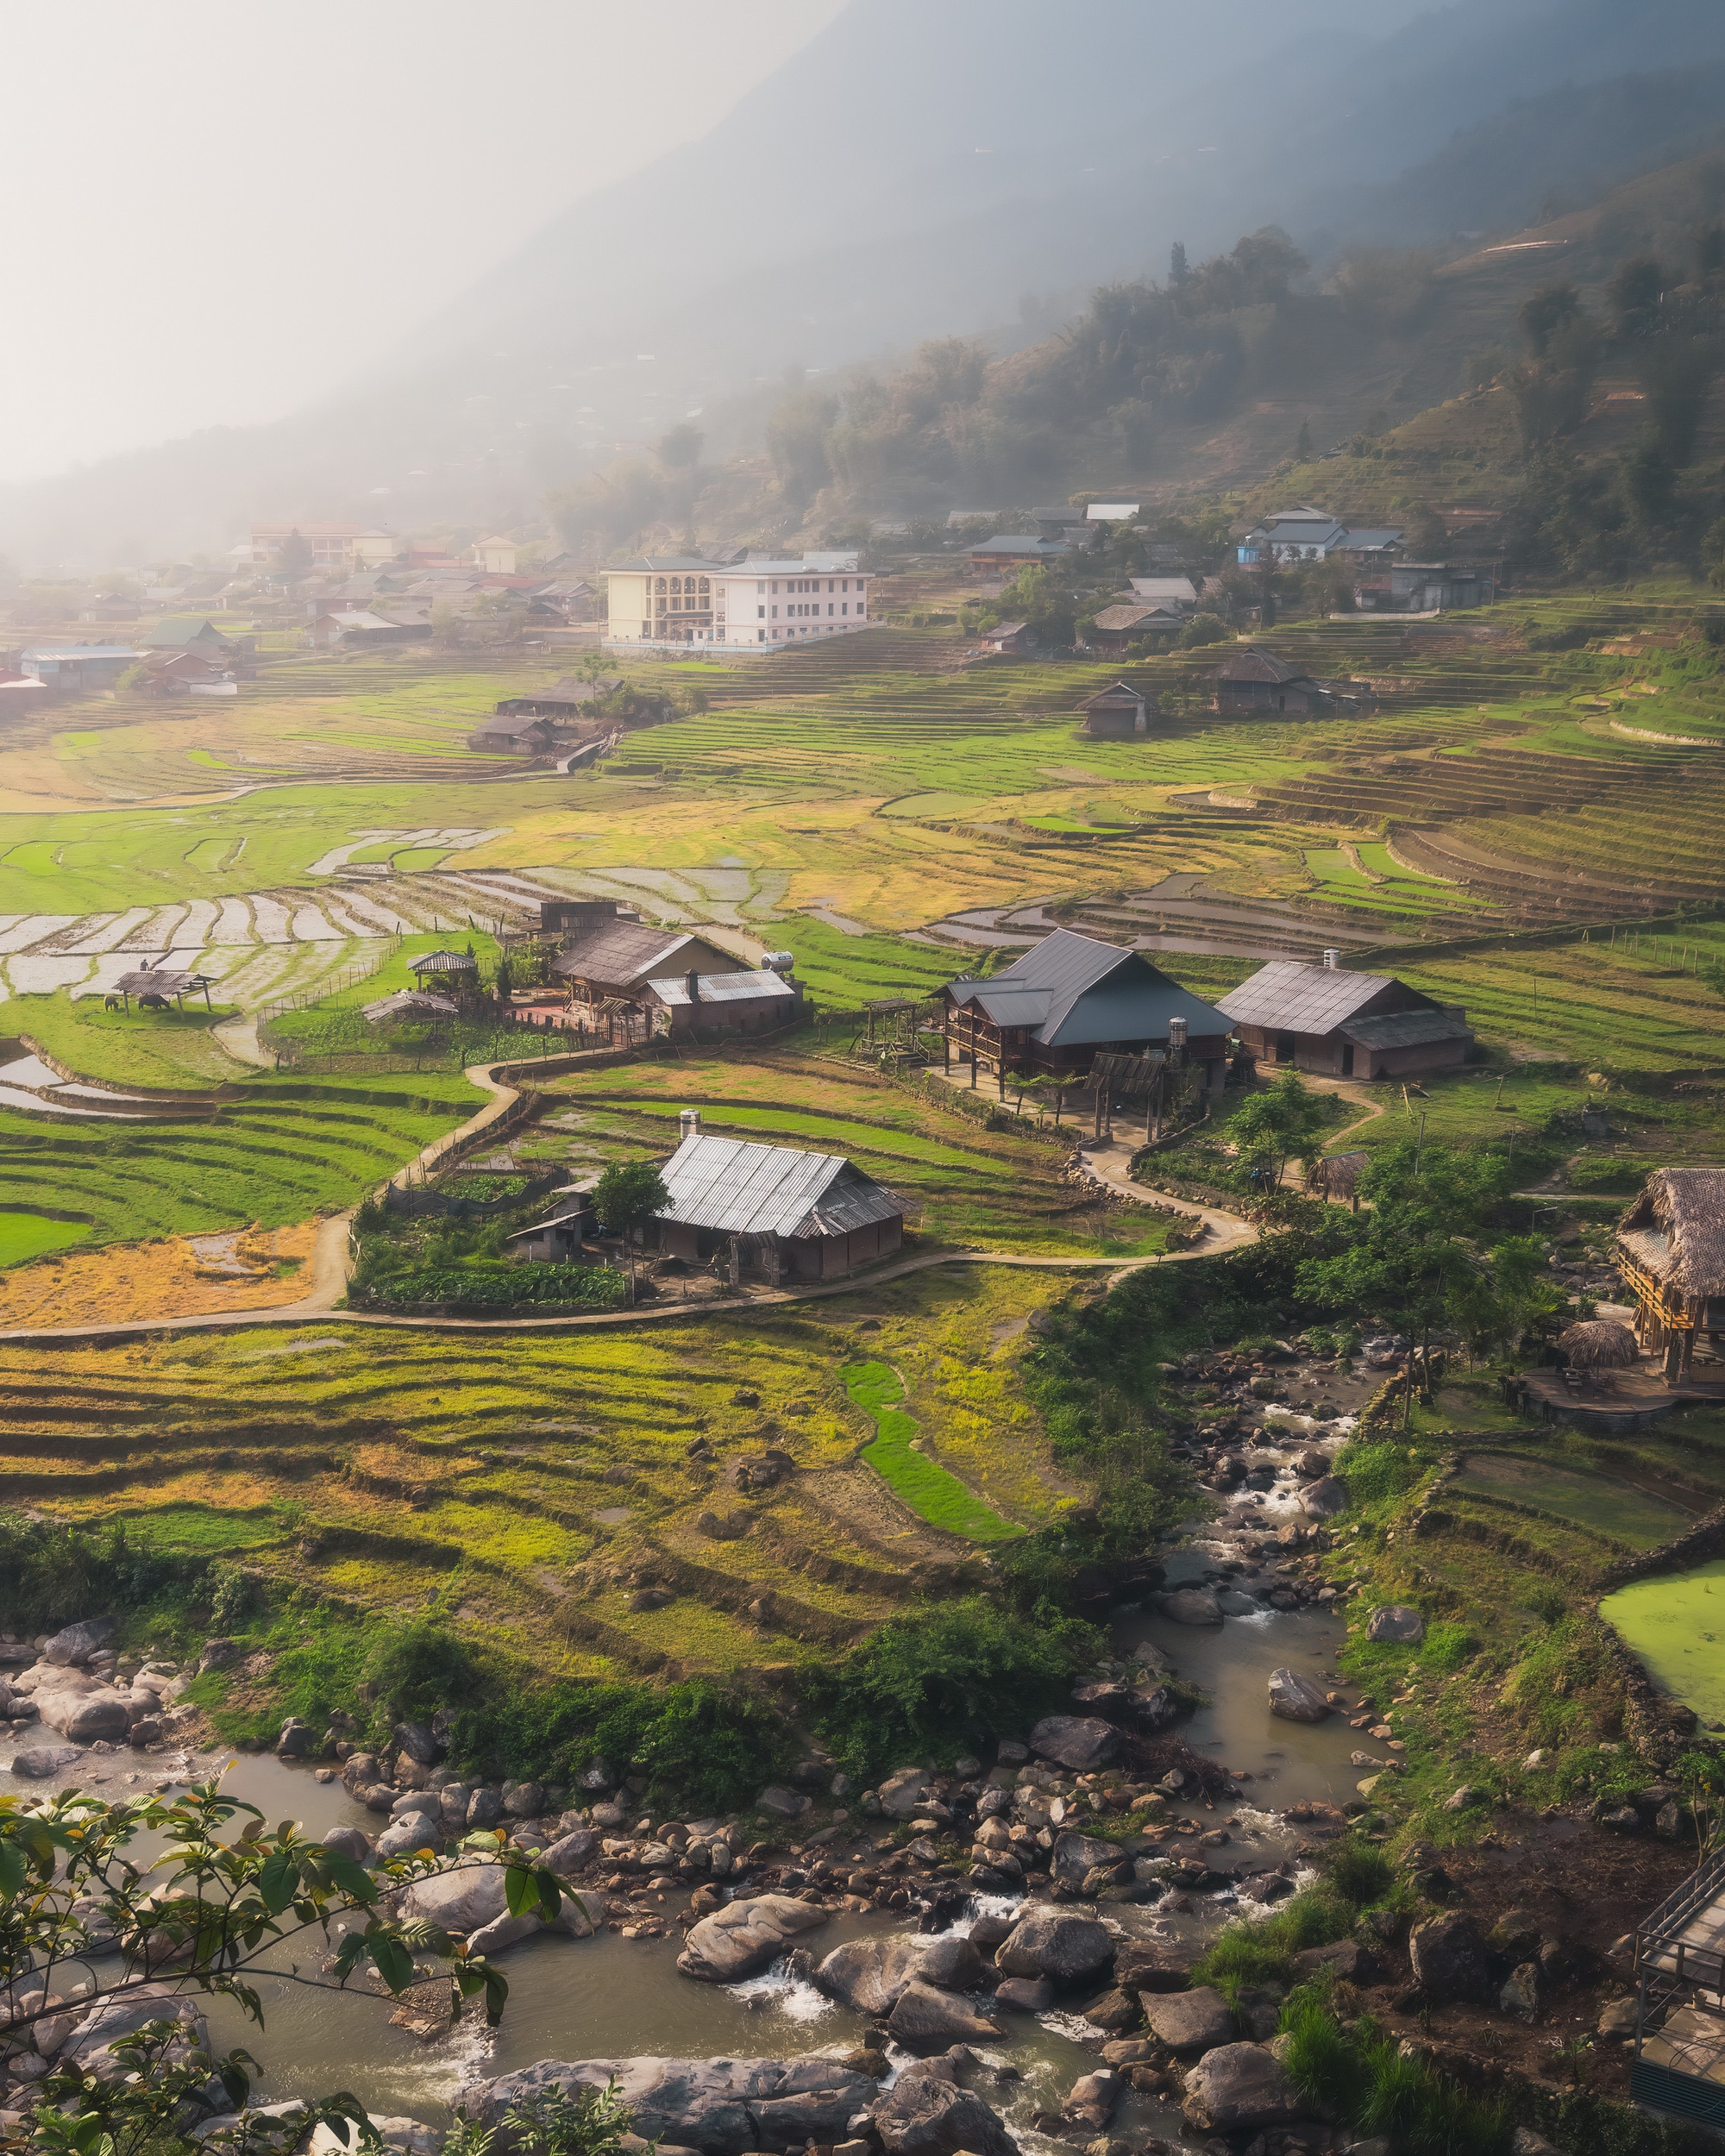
x: 1178, y: 271
x: 1302, y: 447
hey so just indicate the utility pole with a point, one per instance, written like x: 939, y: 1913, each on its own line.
x: 1419, y: 1146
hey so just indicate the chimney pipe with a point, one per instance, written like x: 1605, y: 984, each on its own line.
x: 1332, y: 960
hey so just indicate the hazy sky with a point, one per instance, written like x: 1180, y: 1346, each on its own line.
x: 209, y: 214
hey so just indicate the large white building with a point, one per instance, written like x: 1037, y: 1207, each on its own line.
x: 675, y: 599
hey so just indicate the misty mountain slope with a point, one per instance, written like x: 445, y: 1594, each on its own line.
x: 898, y: 119
x: 843, y: 211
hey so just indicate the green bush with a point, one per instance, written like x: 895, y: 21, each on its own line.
x: 950, y: 1678
x: 587, y: 1287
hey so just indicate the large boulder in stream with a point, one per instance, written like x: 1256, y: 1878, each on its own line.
x: 927, y: 2112
x: 1076, y: 1856
x: 1192, y: 1606
x: 724, y: 2107
x: 926, y: 2019
x: 745, y: 1936
x: 1295, y: 1698
x: 1052, y: 1942
x: 1324, y: 1498
x: 462, y: 1900
x: 872, y: 1975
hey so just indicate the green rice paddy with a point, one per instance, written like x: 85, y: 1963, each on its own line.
x: 27, y: 1235
x: 895, y: 1454
x: 1604, y: 1504
x: 1677, y: 1626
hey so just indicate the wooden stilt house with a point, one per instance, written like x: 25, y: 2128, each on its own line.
x: 1671, y: 1251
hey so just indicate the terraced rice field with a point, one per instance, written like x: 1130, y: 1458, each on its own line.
x: 1613, y: 1508
x: 284, y: 1149
x: 537, y: 1485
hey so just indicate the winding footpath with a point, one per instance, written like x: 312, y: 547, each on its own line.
x: 1106, y: 1165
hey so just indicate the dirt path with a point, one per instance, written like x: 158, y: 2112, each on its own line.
x: 240, y: 1037
x: 1108, y: 1163
x: 320, y: 1303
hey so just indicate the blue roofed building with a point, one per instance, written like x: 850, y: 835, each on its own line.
x: 1071, y: 999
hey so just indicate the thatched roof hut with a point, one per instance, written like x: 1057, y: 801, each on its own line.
x: 1670, y: 1248
x: 1599, y: 1344
x: 1337, y: 1176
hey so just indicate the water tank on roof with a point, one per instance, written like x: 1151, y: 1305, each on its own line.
x: 689, y: 1123
x: 779, y: 962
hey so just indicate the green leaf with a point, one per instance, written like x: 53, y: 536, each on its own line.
x: 521, y: 1889
x: 13, y: 1870
x: 393, y: 1962
x: 350, y: 1877
x: 278, y: 1879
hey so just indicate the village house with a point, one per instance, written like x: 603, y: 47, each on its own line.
x: 1343, y: 1024
x: 580, y: 916
x: 773, y: 1210
x: 1670, y: 1252
x: 357, y: 629
x: 617, y: 961
x: 1437, y: 587
x: 1117, y: 627
x: 1300, y: 534
x: 568, y: 701
x: 684, y: 600
x: 187, y: 674
x: 1177, y: 594
x: 1252, y: 680
x: 1012, y: 639
x: 341, y: 547
x: 695, y: 1003
x: 188, y: 632
x: 496, y: 555
x: 515, y: 734
x: 1012, y: 550
x: 557, y: 1239
x: 1070, y: 998
x: 77, y: 669
x: 1117, y: 712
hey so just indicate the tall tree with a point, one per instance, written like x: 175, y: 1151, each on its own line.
x: 626, y: 1198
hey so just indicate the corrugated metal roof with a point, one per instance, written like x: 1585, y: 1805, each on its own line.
x: 739, y: 1187
x: 725, y: 987
x: 443, y: 961
x: 406, y: 1000
x: 1406, y: 1029
x: 624, y: 951
x: 1299, y: 998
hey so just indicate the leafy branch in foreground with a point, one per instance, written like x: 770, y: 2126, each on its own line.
x: 102, y: 1951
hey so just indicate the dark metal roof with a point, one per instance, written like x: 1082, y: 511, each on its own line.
x: 1299, y: 998
x: 163, y: 980
x: 1406, y: 1029
x: 1073, y: 990
x: 736, y: 1186
x: 443, y: 961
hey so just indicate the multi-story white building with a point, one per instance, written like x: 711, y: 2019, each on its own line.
x: 675, y: 599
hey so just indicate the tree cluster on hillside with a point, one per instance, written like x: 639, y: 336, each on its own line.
x: 1666, y: 321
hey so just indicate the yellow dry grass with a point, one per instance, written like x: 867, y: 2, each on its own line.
x: 160, y: 1279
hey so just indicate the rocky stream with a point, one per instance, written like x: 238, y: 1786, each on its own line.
x: 947, y: 1961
